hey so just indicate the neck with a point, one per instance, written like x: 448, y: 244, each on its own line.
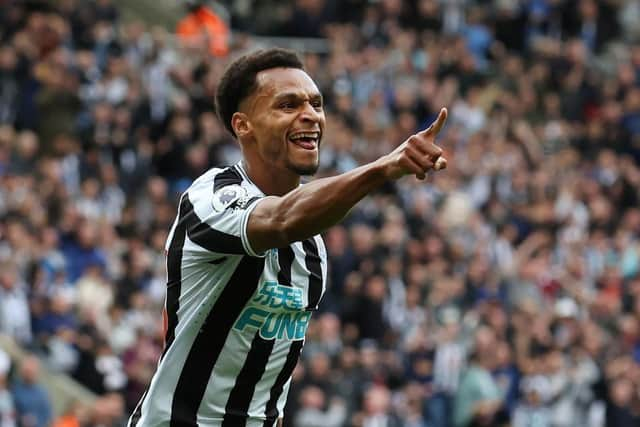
x: 271, y: 181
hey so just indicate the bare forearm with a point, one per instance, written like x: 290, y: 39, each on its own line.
x: 316, y: 206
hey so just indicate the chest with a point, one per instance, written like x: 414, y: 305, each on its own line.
x: 298, y: 272
x: 290, y: 289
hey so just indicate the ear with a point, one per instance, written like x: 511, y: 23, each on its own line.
x: 241, y: 124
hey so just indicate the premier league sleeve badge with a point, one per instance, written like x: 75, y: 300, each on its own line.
x: 228, y: 196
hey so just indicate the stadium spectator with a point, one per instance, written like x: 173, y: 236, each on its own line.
x: 312, y: 412
x: 33, y: 407
x: 376, y: 409
x: 479, y: 400
x: 7, y: 407
x: 203, y: 25
x: 14, y: 306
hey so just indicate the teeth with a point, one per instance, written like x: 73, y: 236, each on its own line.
x: 312, y: 135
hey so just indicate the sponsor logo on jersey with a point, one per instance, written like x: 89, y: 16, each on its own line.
x: 277, y: 311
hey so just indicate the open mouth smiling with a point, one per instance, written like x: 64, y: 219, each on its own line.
x: 308, y: 140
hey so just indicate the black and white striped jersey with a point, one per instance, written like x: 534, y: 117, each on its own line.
x: 235, y: 320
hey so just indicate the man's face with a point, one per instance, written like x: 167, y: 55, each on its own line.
x: 287, y: 120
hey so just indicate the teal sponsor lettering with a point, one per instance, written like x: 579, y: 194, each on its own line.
x: 288, y: 326
x: 276, y: 313
x: 281, y: 295
x: 283, y: 325
x: 270, y: 326
x: 302, y: 321
x: 267, y: 294
x: 274, y: 295
x: 252, y: 316
x: 294, y: 302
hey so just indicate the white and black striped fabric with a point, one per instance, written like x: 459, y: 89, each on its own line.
x: 235, y: 320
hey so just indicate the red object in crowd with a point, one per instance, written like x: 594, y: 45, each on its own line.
x: 203, y: 22
x: 67, y: 421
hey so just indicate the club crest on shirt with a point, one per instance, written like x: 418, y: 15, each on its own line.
x: 228, y: 196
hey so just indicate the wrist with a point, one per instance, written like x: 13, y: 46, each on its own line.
x: 382, y: 169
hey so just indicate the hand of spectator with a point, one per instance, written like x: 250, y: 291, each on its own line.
x: 533, y: 242
x: 525, y: 134
x: 337, y: 401
x: 618, y: 367
x: 629, y: 170
x: 486, y: 409
x: 418, y: 154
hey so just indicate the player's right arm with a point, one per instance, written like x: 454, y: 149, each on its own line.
x: 312, y: 208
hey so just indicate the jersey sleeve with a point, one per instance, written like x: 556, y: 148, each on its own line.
x: 217, y: 221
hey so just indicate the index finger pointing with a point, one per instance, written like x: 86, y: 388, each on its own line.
x: 436, y: 126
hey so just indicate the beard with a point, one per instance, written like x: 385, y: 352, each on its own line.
x: 304, y: 170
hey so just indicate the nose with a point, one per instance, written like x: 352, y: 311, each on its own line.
x: 309, y: 113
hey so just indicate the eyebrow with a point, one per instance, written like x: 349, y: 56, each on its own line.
x: 314, y: 96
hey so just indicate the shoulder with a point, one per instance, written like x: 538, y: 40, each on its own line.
x: 222, y: 188
x: 215, y: 176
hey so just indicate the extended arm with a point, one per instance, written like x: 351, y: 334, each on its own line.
x: 312, y: 208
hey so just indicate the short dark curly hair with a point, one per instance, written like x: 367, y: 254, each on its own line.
x: 239, y: 79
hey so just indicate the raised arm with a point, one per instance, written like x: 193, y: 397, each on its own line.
x: 312, y: 208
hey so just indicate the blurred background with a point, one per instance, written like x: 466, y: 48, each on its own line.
x: 503, y: 291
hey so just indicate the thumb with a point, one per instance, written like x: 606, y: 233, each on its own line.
x: 437, y: 124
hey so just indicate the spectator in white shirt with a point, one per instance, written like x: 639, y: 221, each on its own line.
x: 15, y: 320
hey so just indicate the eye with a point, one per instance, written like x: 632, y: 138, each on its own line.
x: 286, y: 105
x: 317, y: 104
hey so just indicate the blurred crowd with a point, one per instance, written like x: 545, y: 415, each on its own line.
x: 502, y: 291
